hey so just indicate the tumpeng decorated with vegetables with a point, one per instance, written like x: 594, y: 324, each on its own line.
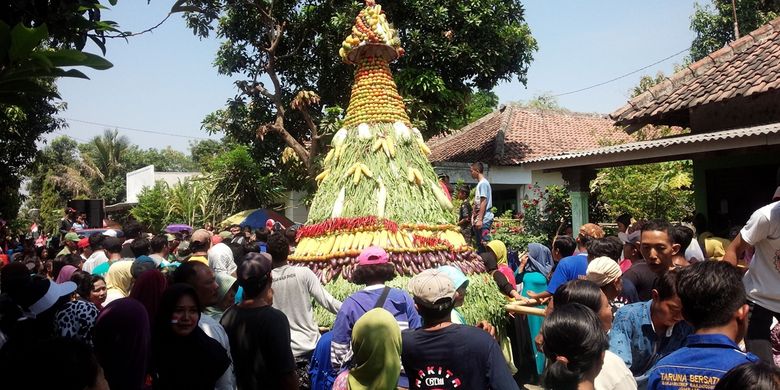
x: 377, y: 186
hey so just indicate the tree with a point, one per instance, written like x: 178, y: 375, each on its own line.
x: 202, y: 152
x: 153, y: 207
x: 714, y: 23
x: 284, y: 49
x: 52, y: 208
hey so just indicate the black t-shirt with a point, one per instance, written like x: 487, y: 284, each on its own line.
x: 456, y: 357
x: 643, y: 279
x: 260, y: 346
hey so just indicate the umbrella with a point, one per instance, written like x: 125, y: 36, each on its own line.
x: 256, y: 218
x: 177, y: 228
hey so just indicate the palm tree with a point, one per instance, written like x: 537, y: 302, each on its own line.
x: 104, y: 160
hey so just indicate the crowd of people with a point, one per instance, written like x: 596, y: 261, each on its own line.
x: 647, y: 307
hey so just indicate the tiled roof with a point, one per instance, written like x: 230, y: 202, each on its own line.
x: 728, y: 136
x: 514, y: 134
x: 748, y: 66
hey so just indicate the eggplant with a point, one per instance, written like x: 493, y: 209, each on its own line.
x: 399, y: 270
x: 333, y: 262
x: 415, y: 270
x: 407, y: 258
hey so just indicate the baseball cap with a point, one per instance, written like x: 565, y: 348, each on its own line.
x: 84, y: 242
x: 41, y: 294
x: 201, y: 235
x: 432, y: 288
x: 270, y: 223
x: 372, y: 255
x: 592, y: 230
x: 72, y: 237
x: 603, y: 271
x: 458, y: 278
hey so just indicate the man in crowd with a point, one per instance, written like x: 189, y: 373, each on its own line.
x: 237, y: 234
x: 66, y: 223
x: 644, y: 332
x: 98, y: 255
x: 482, y: 217
x: 159, y: 249
x: 84, y: 249
x: 294, y: 289
x: 575, y: 266
x: 113, y: 249
x: 658, y: 251
x: 446, y: 355
x: 203, y: 280
x: 260, y: 342
x: 762, y: 233
x: 70, y: 244
x: 713, y: 301
x: 200, y: 242
x: 464, y: 214
x: 132, y: 231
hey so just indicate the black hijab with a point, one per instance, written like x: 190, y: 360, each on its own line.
x: 195, y: 361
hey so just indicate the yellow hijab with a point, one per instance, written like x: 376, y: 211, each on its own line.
x: 499, y: 249
x: 119, y: 277
x: 376, y: 348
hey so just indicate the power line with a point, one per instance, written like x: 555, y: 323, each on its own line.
x: 132, y: 129
x: 625, y: 75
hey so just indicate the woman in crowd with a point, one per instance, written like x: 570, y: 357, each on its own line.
x: 98, y: 294
x: 615, y: 375
x: 495, y: 260
x: 226, y: 295
x: 65, y: 273
x: 183, y: 356
x: 118, y: 281
x: 376, y: 359
x: 575, y: 343
x: 77, y: 318
x: 122, y: 341
x: 461, y: 283
x: 534, y: 268
x: 373, y: 270
x: 148, y: 290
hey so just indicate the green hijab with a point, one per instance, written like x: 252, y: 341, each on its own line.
x: 376, y: 348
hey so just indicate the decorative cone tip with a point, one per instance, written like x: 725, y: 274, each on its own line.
x: 372, y: 36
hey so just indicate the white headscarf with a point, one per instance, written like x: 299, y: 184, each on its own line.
x: 221, y: 259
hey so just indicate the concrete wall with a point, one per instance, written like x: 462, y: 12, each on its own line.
x: 146, y: 177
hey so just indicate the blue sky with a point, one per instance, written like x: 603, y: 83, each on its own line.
x: 164, y: 81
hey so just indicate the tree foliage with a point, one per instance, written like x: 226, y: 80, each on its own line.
x: 714, y: 23
x: 279, y: 48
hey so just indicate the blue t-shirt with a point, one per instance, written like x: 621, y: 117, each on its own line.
x: 569, y: 268
x: 634, y: 339
x: 483, y: 191
x: 699, y: 365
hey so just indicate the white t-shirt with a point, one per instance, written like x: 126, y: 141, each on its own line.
x: 483, y: 190
x: 95, y: 259
x: 614, y: 374
x: 294, y: 288
x: 763, y: 277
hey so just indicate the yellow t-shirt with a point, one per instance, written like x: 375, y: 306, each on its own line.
x: 199, y: 258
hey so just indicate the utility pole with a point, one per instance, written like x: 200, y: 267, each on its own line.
x: 736, y: 23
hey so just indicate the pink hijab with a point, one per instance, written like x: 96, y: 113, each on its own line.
x: 65, y: 273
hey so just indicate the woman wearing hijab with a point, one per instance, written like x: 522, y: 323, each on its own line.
x: 495, y: 260
x: 226, y: 294
x: 148, y: 290
x: 534, y: 268
x: 77, y: 318
x: 122, y: 342
x: 65, y: 273
x: 183, y: 356
x: 118, y: 280
x: 376, y: 359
